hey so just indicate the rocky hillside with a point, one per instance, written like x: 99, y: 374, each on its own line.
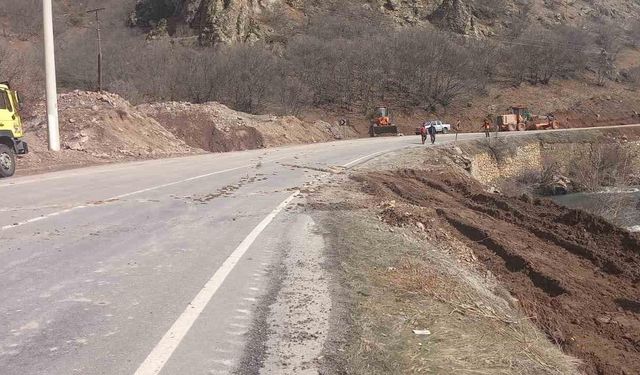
x: 246, y: 20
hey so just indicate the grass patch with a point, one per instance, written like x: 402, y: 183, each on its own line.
x: 395, y: 282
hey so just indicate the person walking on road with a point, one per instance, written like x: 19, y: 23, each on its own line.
x: 432, y: 132
x: 423, y: 132
x: 487, y: 127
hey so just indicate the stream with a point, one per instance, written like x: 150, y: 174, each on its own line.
x: 621, y: 207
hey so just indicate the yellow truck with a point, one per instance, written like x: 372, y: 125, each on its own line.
x: 11, y: 132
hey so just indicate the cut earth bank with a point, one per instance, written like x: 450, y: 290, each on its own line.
x: 505, y: 282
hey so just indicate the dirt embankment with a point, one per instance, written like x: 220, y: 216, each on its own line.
x: 576, y: 275
x: 442, y: 238
x: 217, y: 128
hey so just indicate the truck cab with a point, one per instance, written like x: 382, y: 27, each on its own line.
x: 11, y: 131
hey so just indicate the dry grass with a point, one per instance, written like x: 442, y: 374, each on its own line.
x: 400, y: 282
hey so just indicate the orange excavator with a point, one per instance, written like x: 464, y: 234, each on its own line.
x: 382, y: 124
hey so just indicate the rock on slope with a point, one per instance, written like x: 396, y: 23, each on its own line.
x: 242, y: 20
x: 230, y: 21
x: 97, y: 128
x: 217, y: 128
x: 215, y: 20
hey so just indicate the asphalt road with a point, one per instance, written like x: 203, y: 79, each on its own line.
x: 155, y: 267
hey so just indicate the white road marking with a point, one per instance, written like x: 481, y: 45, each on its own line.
x: 117, y: 197
x: 52, y: 178
x: 241, y: 332
x: 157, y: 359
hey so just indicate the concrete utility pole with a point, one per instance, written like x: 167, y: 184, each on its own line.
x: 50, y: 69
x: 97, y: 12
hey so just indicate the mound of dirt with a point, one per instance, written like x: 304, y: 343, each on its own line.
x: 217, y: 128
x: 576, y: 275
x: 97, y: 128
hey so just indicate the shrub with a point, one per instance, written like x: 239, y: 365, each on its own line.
x: 22, y: 70
x: 539, y: 55
x: 633, y: 76
x: 23, y: 16
x: 605, y: 164
x: 634, y: 33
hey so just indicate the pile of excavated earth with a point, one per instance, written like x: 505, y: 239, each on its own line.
x: 576, y: 275
x: 98, y: 128
x: 420, y: 243
x: 217, y: 128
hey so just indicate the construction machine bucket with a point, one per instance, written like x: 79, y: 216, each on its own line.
x: 383, y: 130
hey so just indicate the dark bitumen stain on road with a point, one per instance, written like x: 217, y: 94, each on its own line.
x: 226, y: 191
x: 255, y: 350
x: 100, y: 203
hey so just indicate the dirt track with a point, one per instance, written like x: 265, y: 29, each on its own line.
x: 575, y: 275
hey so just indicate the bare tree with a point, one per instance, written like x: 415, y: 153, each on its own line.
x: 609, y: 39
x: 540, y: 55
x: 634, y: 33
x: 247, y: 76
x: 22, y: 69
x: 22, y: 16
x: 294, y: 95
x: 633, y: 77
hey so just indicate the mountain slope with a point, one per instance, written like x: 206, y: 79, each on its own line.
x: 227, y: 21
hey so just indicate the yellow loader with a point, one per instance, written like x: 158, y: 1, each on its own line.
x: 11, y: 132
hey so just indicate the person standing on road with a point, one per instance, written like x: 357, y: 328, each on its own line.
x: 487, y: 127
x: 432, y: 132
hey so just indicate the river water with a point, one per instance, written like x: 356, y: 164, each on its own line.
x: 621, y: 207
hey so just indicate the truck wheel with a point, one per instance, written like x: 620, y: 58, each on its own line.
x: 7, y: 161
x: 445, y: 130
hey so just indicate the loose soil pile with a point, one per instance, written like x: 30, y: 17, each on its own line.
x: 576, y: 275
x: 217, y: 128
x: 97, y: 128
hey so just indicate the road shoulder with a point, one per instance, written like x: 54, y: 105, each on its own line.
x: 289, y: 333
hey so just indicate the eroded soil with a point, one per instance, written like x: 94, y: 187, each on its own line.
x: 575, y: 275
